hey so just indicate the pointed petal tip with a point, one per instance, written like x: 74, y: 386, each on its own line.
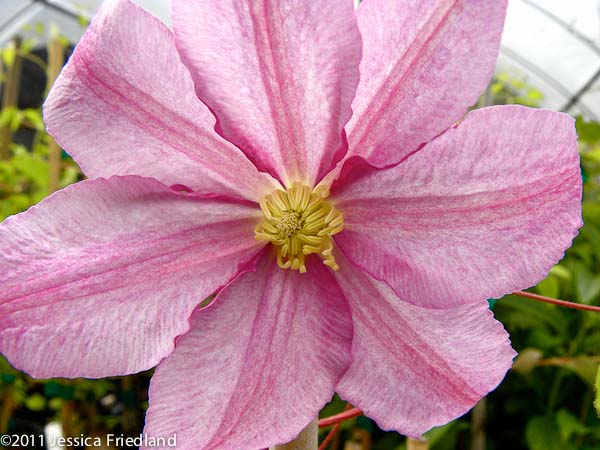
x: 415, y: 368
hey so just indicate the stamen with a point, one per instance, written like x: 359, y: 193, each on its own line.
x: 276, y: 197
x: 299, y: 222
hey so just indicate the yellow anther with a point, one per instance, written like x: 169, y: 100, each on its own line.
x: 299, y: 222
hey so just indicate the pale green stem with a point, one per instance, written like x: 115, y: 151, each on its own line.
x: 417, y: 444
x: 308, y: 439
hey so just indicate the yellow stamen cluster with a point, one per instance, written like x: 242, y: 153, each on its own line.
x: 299, y: 222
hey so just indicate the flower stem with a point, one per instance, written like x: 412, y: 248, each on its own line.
x: 10, y: 97
x: 333, y: 431
x: 8, y: 406
x: 417, y: 444
x: 330, y: 436
x: 341, y: 417
x: 478, y: 419
x: 555, y: 301
x: 56, y: 59
x: 308, y: 439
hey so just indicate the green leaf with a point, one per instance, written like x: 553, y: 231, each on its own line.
x: 569, y: 425
x: 497, y: 88
x: 583, y: 366
x: 436, y: 434
x: 587, y: 131
x: 592, y: 155
x: 591, y: 343
x: 546, y: 340
x: 34, y: 168
x: 36, y: 402
x: 549, y: 287
x: 561, y: 272
x: 83, y: 21
x: 64, y: 42
x: 39, y: 28
x: 5, y: 367
x: 527, y: 314
x: 535, y: 95
x: 56, y: 403
x: 17, y: 121
x: 7, y: 116
x: 587, y: 284
x: 541, y: 434
x: 597, y: 388
x: 28, y: 45
x: 35, y: 117
x: 14, y: 204
x: 517, y: 84
x: 591, y: 212
x: 8, y: 55
x: 69, y: 176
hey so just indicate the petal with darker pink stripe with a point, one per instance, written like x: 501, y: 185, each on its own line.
x: 266, y: 355
x: 279, y: 76
x: 484, y: 210
x: 99, y: 278
x: 414, y: 368
x: 125, y: 105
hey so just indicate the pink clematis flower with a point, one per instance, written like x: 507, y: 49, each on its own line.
x: 298, y: 158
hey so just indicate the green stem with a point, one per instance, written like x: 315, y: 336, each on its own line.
x: 308, y: 439
x: 8, y: 406
x: 553, y: 396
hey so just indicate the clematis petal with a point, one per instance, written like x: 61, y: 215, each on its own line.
x: 125, y: 105
x: 424, y: 63
x: 484, y: 210
x: 279, y: 75
x: 99, y: 279
x: 266, y: 355
x: 414, y: 368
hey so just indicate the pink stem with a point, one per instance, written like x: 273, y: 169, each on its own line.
x: 333, y: 431
x: 555, y: 301
x: 339, y: 418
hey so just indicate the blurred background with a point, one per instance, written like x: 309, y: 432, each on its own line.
x: 550, y: 58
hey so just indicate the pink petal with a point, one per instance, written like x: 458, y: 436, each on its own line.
x: 256, y: 365
x: 424, y: 63
x: 484, y: 210
x: 125, y: 105
x: 415, y: 368
x: 99, y: 278
x: 279, y: 75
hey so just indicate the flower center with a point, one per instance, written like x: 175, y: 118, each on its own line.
x: 289, y: 223
x: 298, y: 222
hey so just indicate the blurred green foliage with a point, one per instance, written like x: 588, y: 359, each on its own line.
x: 545, y: 403
x: 24, y: 175
x: 508, y: 89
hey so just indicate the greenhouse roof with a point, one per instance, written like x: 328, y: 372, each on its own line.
x: 553, y: 45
